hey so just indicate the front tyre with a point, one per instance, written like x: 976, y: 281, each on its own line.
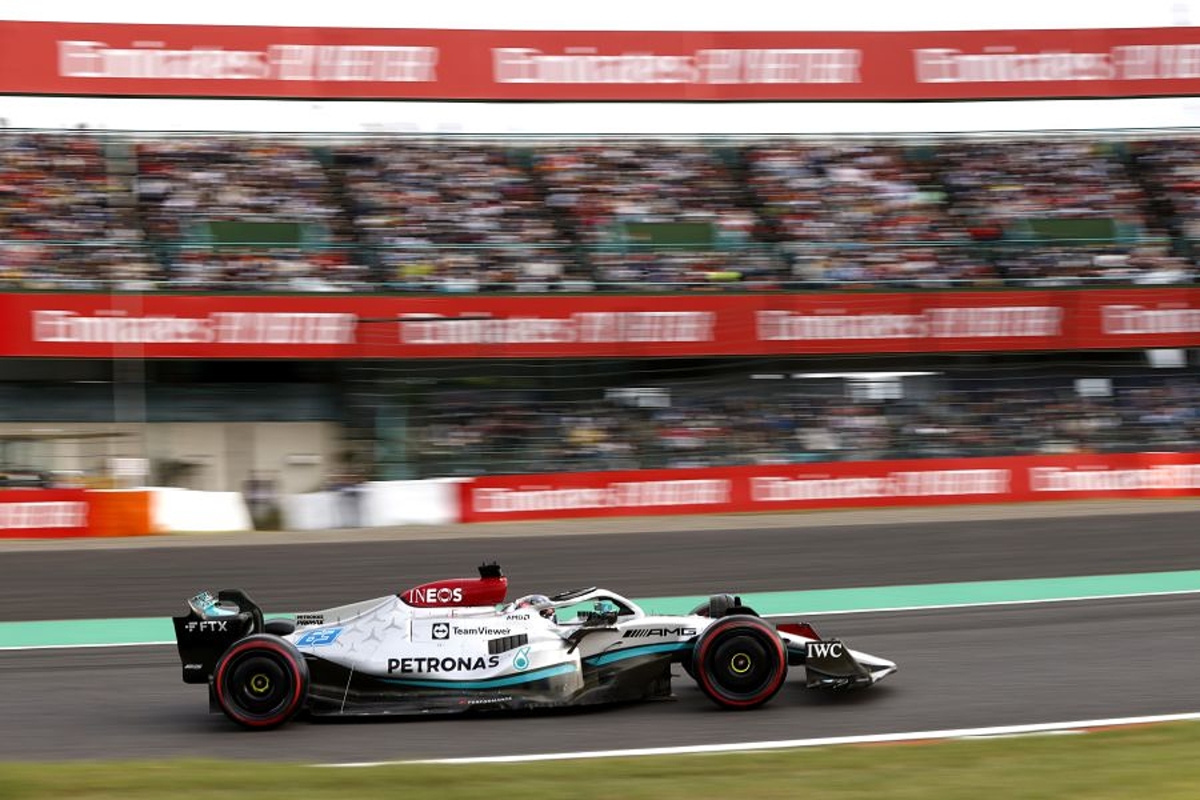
x: 740, y: 662
x: 261, y: 681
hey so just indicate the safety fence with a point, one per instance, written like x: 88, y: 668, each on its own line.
x: 40, y: 513
x: 66, y: 513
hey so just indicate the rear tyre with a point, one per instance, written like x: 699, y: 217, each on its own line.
x: 261, y: 681
x: 716, y: 606
x: 740, y: 662
x: 279, y: 627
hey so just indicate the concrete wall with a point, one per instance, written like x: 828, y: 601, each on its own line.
x: 182, y: 510
x: 375, y: 504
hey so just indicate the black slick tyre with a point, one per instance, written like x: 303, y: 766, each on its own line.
x: 739, y: 662
x: 261, y: 681
x: 715, y: 607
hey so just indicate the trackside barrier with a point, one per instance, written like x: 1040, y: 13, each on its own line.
x: 430, y: 502
x: 120, y: 512
x: 179, y: 510
x: 830, y: 485
x: 374, y: 504
x: 311, y: 511
x: 44, y: 513
x: 61, y: 513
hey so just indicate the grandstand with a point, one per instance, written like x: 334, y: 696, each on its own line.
x: 134, y: 216
x: 413, y: 214
x: 774, y: 272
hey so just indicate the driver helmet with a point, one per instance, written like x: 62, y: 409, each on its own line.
x: 538, y: 602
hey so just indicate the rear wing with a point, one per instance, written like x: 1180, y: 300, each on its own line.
x: 211, y: 625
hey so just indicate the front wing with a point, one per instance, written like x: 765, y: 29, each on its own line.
x: 830, y: 664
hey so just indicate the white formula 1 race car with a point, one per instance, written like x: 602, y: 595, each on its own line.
x: 455, y: 645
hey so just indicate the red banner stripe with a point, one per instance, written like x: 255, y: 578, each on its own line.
x: 555, y: 326
x: 310, y: 62
x: 44, y: 513
x: 830, y: 485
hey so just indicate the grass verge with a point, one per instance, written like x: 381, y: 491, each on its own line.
x: 1157, y: 762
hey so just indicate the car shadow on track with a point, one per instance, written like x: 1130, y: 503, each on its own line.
x: 478, y: 714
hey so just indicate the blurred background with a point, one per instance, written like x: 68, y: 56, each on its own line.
x: 133, y: 232
x: 288, y: 268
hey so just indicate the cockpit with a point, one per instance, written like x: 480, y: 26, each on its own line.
x: 590, y: 606
x: 539, y: 603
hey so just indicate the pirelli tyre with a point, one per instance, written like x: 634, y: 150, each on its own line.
x: 716, y: 606
x: 740, y: 662
x: 261, y: 681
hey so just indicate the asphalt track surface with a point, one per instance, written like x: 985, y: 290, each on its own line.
x: 960, y: 668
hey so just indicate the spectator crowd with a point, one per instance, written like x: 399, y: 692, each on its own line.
x: 444, y: 216
x: 461, y: 434
x: 80, y: 211
x: 184, y: 186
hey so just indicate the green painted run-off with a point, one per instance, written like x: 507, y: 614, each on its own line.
x: 151, y: 630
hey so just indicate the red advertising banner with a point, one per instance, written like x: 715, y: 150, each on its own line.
x: 242, y: 61
x: 43, y: 513
x: 556, y: 326
x: 829, y: 485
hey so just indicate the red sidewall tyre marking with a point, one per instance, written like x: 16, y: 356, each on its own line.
x: 293, y: 668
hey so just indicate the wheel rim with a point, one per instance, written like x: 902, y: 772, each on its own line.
x: 742, y: 666
x: 259, y: 685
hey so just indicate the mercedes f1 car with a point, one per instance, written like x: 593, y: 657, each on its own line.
x: 456, y: 646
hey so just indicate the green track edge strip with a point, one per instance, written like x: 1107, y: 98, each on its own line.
x: 158, y: 630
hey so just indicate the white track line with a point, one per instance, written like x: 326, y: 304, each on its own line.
x: 790, y: 744
x: 986, y: 603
